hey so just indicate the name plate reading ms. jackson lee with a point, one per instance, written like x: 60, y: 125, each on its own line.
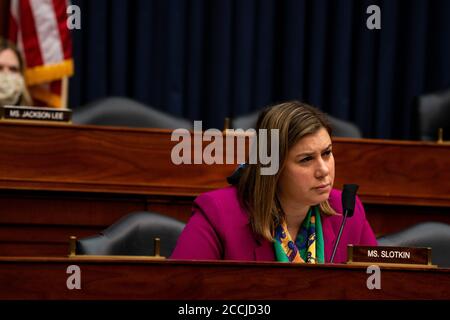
x: 40, y: 114
x: 408, y: 257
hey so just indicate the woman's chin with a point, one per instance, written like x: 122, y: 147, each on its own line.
x: 321, y: 197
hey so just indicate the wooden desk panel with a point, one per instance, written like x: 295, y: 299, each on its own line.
x: 137, y: 161
x: 99, y: 159
x: 40, y: 223
x: 45, y: 278
x: 62, y: 180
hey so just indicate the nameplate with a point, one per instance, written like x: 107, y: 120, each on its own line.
x: 35, y: 114
x: 389, y: 255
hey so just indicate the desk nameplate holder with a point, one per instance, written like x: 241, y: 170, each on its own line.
x: 73, y: 255
x: 35, y: 114
x: 404, y: 257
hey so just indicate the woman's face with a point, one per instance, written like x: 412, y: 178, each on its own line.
x: 9, y: 62
x: 308, y: 175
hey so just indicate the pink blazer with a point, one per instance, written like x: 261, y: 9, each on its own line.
x: 219, y: 229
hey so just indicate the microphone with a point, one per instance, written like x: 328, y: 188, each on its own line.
x: 348, y: 205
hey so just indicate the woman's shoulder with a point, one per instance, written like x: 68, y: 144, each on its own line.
x: 219, y: 194
x: 335, y: 200
x: 220, y: 198
x: 335, y: 193
x: 221, y: 204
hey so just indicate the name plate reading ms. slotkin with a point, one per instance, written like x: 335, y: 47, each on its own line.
x: 35, y: 114
x: 390, y: 256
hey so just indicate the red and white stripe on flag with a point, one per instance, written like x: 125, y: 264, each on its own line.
x: 39, y: 29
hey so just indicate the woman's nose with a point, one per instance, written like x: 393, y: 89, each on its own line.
x: 322, y: 169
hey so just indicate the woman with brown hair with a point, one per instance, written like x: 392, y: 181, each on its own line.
x: 293, y: 215
x: 13, y: 90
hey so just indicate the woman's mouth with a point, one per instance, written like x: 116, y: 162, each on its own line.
x: 322, y: 187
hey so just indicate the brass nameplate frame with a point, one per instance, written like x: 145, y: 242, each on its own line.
x: 113, y: 258
x: 73, y: 255
x: 35, y: 114
x: 390, y: 256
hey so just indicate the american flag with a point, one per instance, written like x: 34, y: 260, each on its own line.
x: 39, y: 29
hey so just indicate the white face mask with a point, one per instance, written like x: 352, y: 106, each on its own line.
x: 11, y: 88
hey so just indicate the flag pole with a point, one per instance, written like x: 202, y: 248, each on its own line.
x: 64, y: 92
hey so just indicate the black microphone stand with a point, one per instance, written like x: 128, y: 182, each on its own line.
x: 339, y: 235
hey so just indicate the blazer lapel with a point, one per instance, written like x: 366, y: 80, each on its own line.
x: 328, y: 237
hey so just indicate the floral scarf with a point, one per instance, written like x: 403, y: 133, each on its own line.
x: 309, y: 245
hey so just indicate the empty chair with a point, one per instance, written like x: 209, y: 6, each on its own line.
x: 343, y: 128
x: 121, y: 111
x: 133, y: 235
x: 433, y: 111
x: 340, y: 128
x: 427, y: 234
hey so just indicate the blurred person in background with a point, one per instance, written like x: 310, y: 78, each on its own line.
x: 13, y: 90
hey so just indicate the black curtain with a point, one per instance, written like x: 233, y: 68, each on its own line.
x: 207, y: 60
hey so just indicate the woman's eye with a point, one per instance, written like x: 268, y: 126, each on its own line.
x: 304, y: 160
x: 12, y: 69
x: 327, y: 153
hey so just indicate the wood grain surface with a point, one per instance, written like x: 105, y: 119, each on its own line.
x: 62, y: 180
x: 45, y: 278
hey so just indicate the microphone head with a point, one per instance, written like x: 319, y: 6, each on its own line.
x: 348, y: 198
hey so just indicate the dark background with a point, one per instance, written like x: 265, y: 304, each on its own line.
x: 211, y: 59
